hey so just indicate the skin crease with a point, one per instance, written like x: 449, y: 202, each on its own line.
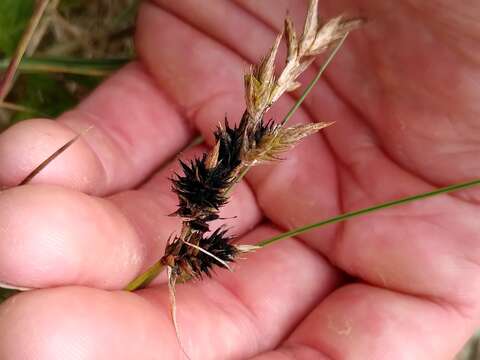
x: 404, y: 94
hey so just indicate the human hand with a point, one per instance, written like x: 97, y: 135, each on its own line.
x: 398, y: 284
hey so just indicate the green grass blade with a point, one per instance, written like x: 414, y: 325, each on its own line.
x: 368, y: 210
x: 90, y: 67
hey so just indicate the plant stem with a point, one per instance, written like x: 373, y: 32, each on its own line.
x: 90, y: 67
x: 17, y: 107
x: 8, y: 79
x: 145, y: 278
x: 365, y: 211
x: 315, y: 79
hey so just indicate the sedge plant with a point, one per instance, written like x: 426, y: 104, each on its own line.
x: 204, y: 184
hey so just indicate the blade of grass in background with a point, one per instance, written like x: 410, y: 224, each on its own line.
x: 89, y: 67
x: 22, y: 46
x: 45, y: 93
x: 71, y: 34
x: 356, y: 213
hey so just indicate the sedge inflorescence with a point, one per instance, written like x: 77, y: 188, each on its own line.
x: 203, y: 185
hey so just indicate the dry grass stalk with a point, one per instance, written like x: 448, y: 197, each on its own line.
x: 47, y: 161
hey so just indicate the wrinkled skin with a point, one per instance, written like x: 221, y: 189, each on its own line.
x: 399, y: 284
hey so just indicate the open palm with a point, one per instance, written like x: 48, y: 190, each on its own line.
x: 401, y: 284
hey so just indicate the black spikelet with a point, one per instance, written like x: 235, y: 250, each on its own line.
x: 202, y: 189
x: 187, y: 261
x: 201, y: 192
x: 218, y: 244
x: 231, y: 140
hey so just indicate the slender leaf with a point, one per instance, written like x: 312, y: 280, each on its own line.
x: 356, y: 213
x: 91, y: 67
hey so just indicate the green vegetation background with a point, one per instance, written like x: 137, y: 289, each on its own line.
x: 85, y: 30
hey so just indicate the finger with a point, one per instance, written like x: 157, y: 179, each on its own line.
x: 397, y: 70
x: 360, y: 322
x: 272, y: 183
x: 52, y: 236
x: 55, y: 236
x: 132, y: 129
x: 234, y: 318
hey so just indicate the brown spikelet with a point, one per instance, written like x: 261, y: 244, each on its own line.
x: 291, y: 39
x: 278, y: 140
x: 262, y: 89
x: 310, y: 29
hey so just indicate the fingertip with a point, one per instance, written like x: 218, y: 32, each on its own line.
x: 51, y: 236
x: 78, y: 323
x: 25, y: 145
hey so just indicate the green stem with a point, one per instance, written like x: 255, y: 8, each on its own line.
x: 356, y: 213
x: 315, y: 79
x: 145, y: 278
x: 90, y: 67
